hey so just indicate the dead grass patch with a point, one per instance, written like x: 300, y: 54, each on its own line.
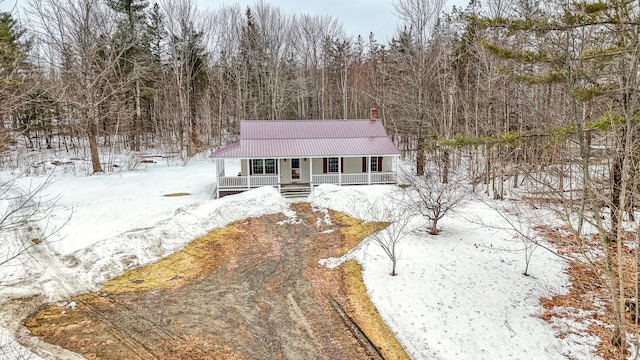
x: 354, y: 230
x: 176, y: 194
x: 588, y: 301
x: 195, y: 260
x: 365, y: 314
x: 60, y: 320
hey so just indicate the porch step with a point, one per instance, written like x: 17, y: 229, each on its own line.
x: 295, y: 191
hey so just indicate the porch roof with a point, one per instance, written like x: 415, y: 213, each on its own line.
x: 309, y: 138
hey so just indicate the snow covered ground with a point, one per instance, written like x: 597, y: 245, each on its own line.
x: 458, y: 295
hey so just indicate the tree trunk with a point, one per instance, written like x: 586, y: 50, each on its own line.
x: 637, y: 309
x: 393, y: 266
x: 137, y: 126
x: 434, y: 227
x: 487, y: 169
x: 93, y: 148
x: 194, y: 140
x: 615, y: 207
x: 420, y: 156
x: 445, y: 166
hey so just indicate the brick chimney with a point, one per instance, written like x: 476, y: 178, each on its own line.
x: 373, y: 115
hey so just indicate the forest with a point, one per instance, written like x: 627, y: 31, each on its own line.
x: 542, y: 93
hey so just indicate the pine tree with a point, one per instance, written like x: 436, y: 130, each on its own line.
x: 589, y: 49
x: 13, y: 48
x: 134, y: 58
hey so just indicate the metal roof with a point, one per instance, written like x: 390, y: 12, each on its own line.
x: 309, y: 138
x: 311, y: 129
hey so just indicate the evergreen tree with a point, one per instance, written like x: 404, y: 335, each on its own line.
x: 189, y: 62
x: 134, y: 56
x: 13, y: 61
x: 589, y: 49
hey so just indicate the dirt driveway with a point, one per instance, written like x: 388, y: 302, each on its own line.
x: 261, y: 295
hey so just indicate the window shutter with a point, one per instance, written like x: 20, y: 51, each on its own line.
x: 276, y: 164
x: 342, y: 165
x: 324, y: 165
x: 364, y: 164
x: 250, y: 166
x: 379, y: 163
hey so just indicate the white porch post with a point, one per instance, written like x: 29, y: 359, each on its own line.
x: 395, y: 168
x: 278, y: 173
x: 340, y: 171
x: 248, y: 174
x: 311, y: 174
x: 368, y: 170
x: 218, y: 161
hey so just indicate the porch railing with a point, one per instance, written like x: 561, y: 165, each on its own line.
x: 243, y: 182
x: 356, y: 179
x: 239, y: 182
x: 326, y: 179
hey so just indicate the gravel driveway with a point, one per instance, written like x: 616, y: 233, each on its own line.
x: 266, y: 298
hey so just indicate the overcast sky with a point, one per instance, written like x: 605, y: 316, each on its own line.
x: 358, y: 17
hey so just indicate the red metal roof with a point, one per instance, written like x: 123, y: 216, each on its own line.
x: 309, y: 138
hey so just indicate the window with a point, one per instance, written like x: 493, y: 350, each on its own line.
x: 263, y: 167
x: 257, y: 167
x: 295, y: 163
x: 270, y: 166
x: 374, y: 164
x: 332, y: 165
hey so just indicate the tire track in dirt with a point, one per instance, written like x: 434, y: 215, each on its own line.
x: 265, y: 299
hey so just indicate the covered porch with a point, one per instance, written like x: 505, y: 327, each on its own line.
x: 298, y: 176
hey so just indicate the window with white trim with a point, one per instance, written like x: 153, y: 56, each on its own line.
x: 374, y: 164
x: 270, y: 166
x: 263, y: 166
x: 332, y: 164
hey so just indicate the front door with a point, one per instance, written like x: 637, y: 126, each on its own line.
x: 295, y: 170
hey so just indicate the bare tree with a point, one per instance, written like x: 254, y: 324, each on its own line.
x: 433, y: 199
x: 188, y: 63
x: 389, y: 221
x: 11, y: 349
x: 84, y: 62
x: 520, y: 221
x: 414, y: 72
x: 308, y: 41
x: 24, y: 214
x: 24, y: 211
